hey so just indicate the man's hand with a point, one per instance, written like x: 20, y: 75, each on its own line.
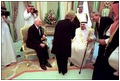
x: 31, y: 10
x: 5, y: 19
x: 102, y: 41
x: 44, y: 38
x: 42, y: 45
x: 89, y: 40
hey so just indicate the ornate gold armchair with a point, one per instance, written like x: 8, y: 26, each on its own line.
x: 27, y: 51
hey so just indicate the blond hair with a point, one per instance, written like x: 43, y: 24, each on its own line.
x: 70, y: 15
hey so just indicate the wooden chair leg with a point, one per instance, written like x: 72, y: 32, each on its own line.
x: 26, y: 56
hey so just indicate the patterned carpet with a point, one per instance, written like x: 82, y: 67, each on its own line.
x: 20, y: 67
x: 16, y: 69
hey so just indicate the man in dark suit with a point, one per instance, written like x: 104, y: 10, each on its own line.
x: 102, y: 23
x: 34, y: 41
x: 64, y: 32
x: 103, y: 70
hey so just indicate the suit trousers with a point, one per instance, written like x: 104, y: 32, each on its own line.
x: 42, y: 54
x: 62, y: 63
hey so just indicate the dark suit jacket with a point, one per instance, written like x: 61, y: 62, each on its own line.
x: 76, y: 21
x: 34, y: 39
x: 64, y: 32
x: 104, y: 23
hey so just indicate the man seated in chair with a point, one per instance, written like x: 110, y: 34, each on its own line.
x: 34, y: 41
x: 84, y: 35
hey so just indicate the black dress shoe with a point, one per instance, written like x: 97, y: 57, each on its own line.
x: 18, y: 56
x: 94, y: 64
x: 59, y: 72
x: 43, y: 67
x: 7, y: 65
x: 21, y: 49
x: 63, y: 73
x: 48, y: 65
x: 71, y: 64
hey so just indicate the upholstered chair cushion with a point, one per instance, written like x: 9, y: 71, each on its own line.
x: 28, y: 50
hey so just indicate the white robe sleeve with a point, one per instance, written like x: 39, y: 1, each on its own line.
x: 36, y: 16
x: 26, y: 15
x: 107, y: 34
x: 8, y: 19
x: 114, y: 59
x: 92, y: 36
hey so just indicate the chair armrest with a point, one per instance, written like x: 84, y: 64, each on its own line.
x: 24, y: 46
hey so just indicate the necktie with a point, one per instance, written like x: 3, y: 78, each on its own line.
x: 39, y: 31
x: 98, y: 25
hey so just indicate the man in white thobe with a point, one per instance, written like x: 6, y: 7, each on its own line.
x: 30, y: 15
x: 83, y: 35
x: 82, y: 15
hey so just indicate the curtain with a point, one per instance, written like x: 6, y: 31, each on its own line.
x: 63, y: 9
x: 38, y: 6
x: 75, y: 4
x: 69, y: 5
x: 19, y: 22
x: 90, y: 6
x: 9, y: 8
x: 86, y: 10
x: 58, y: 12
x: 33, y: 3
x: 26, y: 3
x: 2, y: 4
x: 42, y: 9
x: 14, y: 14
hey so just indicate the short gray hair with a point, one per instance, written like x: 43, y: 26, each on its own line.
x: 96, y: 13
x: 36, y: 19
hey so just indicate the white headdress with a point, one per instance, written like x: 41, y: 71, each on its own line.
x: 86, y: 10
x: 86, y: 24
x: 84, y: 33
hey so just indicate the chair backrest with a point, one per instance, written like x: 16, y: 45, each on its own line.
x: 43, y: 30
x: 24, y: 33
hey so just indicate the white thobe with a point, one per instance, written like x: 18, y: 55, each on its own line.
x: 79, y: 46
x: 8, y: 51
x: 114, y: 59
x: 29, y: 18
